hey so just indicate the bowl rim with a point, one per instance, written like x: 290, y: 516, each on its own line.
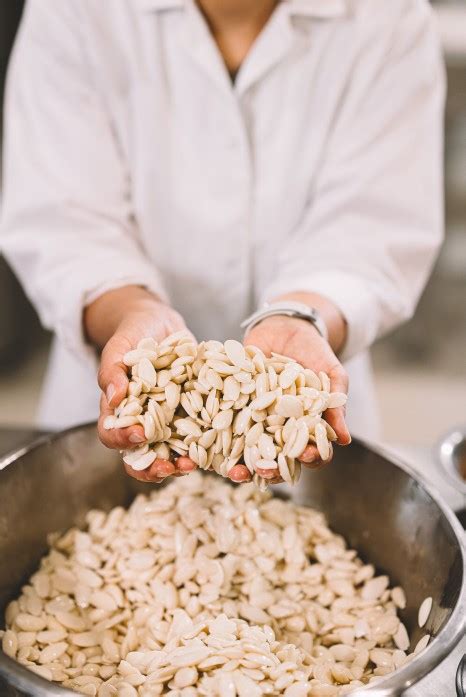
x: 443, y: 451
x: 394, y: 684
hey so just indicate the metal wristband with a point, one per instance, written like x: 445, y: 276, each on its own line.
x: 288, y: 309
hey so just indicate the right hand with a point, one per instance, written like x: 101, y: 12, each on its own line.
x: 118, y: 320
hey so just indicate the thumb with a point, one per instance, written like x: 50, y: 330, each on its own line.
x: 112, y: 377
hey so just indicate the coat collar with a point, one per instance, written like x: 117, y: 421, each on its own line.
x: 276, y: 39
x: 160, y: 5
x: 325, y: 9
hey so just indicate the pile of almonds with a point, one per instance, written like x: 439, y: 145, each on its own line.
x: 221, y: 404
x: 211, y: 590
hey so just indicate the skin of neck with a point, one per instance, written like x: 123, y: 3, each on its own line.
x: 235, y: 24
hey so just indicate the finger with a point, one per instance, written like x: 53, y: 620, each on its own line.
x: 318, y: 463
x: 112, y: 377
x: 121, y: 438
x: 160, y: 469
x: 157, y: 472
x: 184, y: 465
x: 311, y: 459
x: 309, y: 455
x: 141, y: 476
x: 239, y: 474
x: 118, y: 438
x: 268, y: 474
x: 336, y: 417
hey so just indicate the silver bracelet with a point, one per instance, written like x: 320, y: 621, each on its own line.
x: 289, y: 309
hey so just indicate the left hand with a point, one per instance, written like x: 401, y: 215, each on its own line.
x: 116, y: 321
x: 300, y: 340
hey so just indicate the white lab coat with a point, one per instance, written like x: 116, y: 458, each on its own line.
x: 131, y: 158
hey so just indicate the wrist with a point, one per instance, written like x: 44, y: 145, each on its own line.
x: 105, y: 315
x: 331, y: 315
x: 290, y: 309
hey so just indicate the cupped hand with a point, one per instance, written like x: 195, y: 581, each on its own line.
x: 299, y: 340
x: 140, y: 315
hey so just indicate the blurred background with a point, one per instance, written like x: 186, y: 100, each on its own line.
x: 420, y: 369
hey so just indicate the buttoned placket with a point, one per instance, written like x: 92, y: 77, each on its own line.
x: 272, y: 45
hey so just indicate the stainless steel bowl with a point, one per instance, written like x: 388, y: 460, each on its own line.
x: 380, y: 506
x: 451, y: 454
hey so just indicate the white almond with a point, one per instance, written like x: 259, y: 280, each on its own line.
x: 373, y: 589
x: 222, y: 420
x: 246, y: 388
x: 143, y: 462
x: 325, y: 381
x: 131, y: 409
x: 421, y: 644
x: 231, y: 389
x: 53, y: 652
x: 289, y: 375
x: 10, y: 643
x: 125, y: 421
x: 399, y: 597
x: 214, y: 379
x: 242, y: 421
x: 263, y: 401
x: 235, y: 352
x: 187, y: 427
x: 424, y: 611
x: 207, y: 438
x: 109, y: 422
x: 131, y: 456
x: 222, y: 368
x: 300, y: 441
x: 135, y: 356
x: 147, y: 344
x: 237, y: 447
x: 311, y: 379
x: 267, y: 447
x: 252, y: 436
x: 266, y: 464
x: 149, y: 427
x: 284, y: 469
x: 289, y: 406
x: 30, y: 623
x: 336, y: 399
x: 172, y: 394
x: 146, y: 372
x: 185, y: 656
x: 162, y: 451
x: 322, y: 441
x: 262, y: 384
x: 251, y: 456
x: 401, y: 637
x: 85, y: 639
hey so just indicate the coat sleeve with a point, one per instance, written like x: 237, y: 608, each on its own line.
x: 374, y: 223
x: 68, y: 228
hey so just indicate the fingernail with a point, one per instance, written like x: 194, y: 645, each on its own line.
x: 110, y: 393
x: 136, y: 438
x: 345, y: 441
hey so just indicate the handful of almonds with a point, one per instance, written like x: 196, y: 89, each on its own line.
x: 221, y: 404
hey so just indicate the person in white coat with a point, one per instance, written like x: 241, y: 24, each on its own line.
x: 172, y: 161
